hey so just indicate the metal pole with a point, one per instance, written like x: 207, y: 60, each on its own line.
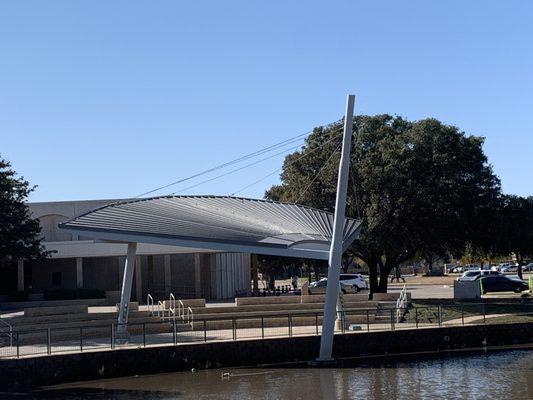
x: 205, y: 330
x: 367, y: 321
x: 416, y: 317
x: 462, y: 314
x: 440, y: 316
x: 144, y: 334
x: 81, y: 338
x: 125, y: 294
x: 262, y: 328
x: 175, y: 336
x: 49, y: 341
x: 335, y: 252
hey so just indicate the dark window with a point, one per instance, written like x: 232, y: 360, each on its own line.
x: 56, y: 278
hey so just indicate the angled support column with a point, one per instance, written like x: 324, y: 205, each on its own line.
x: 335, y: 252
x: 20, y: 275
x: 125, y: 294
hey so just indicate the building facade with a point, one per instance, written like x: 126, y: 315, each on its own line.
x: 79, y: 262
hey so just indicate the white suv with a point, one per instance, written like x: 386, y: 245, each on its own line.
x: 355, y: 280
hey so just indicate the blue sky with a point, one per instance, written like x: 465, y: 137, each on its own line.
x: 108, y: 99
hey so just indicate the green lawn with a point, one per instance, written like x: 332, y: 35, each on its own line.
x: 427, y: 311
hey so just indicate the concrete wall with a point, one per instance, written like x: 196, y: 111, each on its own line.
x: 48, y: 370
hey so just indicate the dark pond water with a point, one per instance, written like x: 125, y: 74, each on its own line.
x: 498, y: 375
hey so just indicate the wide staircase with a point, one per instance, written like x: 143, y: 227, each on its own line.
x: 256, y: 312
x: 31, y: 326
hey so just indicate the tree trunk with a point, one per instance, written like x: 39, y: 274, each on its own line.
x: 373, y: 278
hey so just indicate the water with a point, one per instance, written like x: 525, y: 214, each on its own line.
x: 501, y: 375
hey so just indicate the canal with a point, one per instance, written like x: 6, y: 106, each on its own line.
x: 497, y: 375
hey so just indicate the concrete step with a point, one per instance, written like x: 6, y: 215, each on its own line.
x: 50, y: 319
x: 82, y: 323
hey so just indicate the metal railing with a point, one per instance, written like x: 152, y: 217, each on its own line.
x: 150, y: 304
x: 172, y: 306
x: 194, y: 328
x: 401, y: 304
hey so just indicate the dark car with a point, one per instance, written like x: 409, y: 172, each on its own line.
x: 502, y: 284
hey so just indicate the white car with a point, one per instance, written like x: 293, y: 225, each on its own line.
x: 472, y: 275
x: 349, y: 283
x: 354, y: 280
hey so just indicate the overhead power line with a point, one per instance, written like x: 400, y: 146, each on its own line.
x: 288, y: 165
x: 245, y: 157
x: 319, y: 172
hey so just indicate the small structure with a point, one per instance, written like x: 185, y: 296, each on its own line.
x: 216, y: 223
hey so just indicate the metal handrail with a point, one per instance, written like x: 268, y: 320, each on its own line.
x: 172, y: 305
x: 190, y: 316
x: 160, y: 309
x: 181, y: 310
x: 150, y: 303
x: 401, y: 303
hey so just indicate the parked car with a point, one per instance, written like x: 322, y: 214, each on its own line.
x: 476, y: 274
x: 319, y: 287
x: 500, y: 283
x: 528, y: 268
x: 354, y: 279
x: 510, y: 268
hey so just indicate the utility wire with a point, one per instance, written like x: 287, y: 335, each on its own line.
x: 319, y: 172
x: 288, y: 165
x: 237, y: 160
x: 235, y: 170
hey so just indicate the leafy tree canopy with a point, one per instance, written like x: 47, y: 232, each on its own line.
x: 19, y: 233
x: 418, y: 187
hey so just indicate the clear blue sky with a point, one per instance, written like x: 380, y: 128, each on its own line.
x: 107, y: 99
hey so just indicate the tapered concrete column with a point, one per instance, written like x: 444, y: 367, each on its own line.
x: 138, y: 279
x: 79, y: 272
x: 335, y: 252
x: 168, y: 276
x: 197, y: 277
x: 20, y: 275
x: 125, y: 294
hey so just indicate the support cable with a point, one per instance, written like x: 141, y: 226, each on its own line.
x: 237, y: 160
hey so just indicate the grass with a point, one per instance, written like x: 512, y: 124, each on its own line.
x: 427, y: 311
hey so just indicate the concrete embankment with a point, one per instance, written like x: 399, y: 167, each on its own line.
x: 47, y: 370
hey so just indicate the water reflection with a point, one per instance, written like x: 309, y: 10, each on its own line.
x: 505, y: 375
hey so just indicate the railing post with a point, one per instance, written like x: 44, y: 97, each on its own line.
x: 144, y: 334
x: 48, y: 341
x: 18, y: 349
x: 234, y: 326
x: 205, y: 330
x: 316, y: 323
x: 484, y: 313
x: 289, y: 324
x: 391, y: 319
x: 416, y: 317
x: 367, y: 321
x: 112, y: 335
x: 174, y: 333
x: 439, y: 310
x: 262, y: 327
x: 81, y: 338
x: 462, y: 314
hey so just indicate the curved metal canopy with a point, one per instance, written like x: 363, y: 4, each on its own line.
x: 219, y: 223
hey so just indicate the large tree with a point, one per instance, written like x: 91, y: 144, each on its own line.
x: 513, y: 232
x: 418, y: 187
x: 19, y: 234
